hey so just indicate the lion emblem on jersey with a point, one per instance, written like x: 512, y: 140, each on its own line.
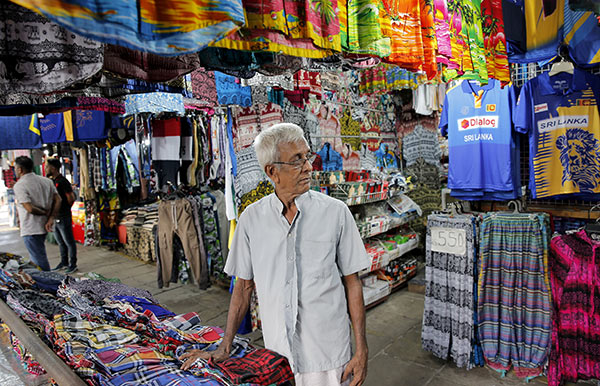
x: 579, y: 156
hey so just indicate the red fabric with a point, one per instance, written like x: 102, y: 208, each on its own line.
x: 317, y: 164
x: 260, y: 367
x: 9, y: 178
x: 166, y: 127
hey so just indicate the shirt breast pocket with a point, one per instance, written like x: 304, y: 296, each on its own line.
x: 317, y: 258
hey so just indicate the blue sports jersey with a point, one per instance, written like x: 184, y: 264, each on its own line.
x: 90, y: 125
x: 20, y: 133
x: 582, y: 36
x: 482, y: 148
x: 560, y: 115
x: 52, y: 127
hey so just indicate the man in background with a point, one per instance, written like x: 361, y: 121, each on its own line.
x: 63, y: 227
x: 37, y: 204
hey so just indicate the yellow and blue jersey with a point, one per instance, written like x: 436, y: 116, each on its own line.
x: 22, y: 132
x: 560, y: 116
x: 482, y: 149
x: 582, y: 36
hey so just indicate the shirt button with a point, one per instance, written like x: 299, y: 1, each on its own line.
x: 287, y: 306
x: 287, y: 282
x: 290, y: 234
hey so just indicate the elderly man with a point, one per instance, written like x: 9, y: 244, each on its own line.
x: 302, y: 251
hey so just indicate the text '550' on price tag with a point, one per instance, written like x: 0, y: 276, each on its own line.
x: 449, y: 240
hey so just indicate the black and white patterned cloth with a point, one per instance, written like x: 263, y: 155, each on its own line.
x: 448, y: 325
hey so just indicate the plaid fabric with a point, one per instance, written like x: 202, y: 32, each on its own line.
x: 514, y: 303
x: 262, y: 367
x: 71, y: 328
x: 187, y: 327
x: 156, y: 376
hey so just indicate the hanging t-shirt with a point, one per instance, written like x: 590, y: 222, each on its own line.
x: 90, y: 125
x: 166, y: 139
x: 478, y: 122
x: 560, y: 115
x: 52, y: 128
x: 20, y: 133
x: 582, y: 36
x: 543, y: 30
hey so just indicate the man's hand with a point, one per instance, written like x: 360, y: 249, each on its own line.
x: 219, y: 355
x: 357, y: 367
x: 49, y: 224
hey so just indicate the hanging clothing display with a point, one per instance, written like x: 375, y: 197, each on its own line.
x: 177, y: 217
x: 39, y: 56
x: 484, y: 153
x: 20, y: 133
x: 154, y: 102
x: 448, y: 324
x: 582, y: 34
x: 560, y: 116
x: 361, y: 30
x: 543, y: 30
x: 147, y: 26
x: 514, y: 303
x: 575, y: 314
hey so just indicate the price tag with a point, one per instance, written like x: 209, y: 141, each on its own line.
x: 449, y: 240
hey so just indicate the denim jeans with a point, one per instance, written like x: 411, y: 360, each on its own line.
x: 63, y: 232
x: 37, y: 250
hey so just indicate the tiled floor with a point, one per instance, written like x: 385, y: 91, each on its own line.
x: 393, y: 328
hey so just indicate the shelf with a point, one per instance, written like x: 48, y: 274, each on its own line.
x: 394, y: 256
x: 394, y: 226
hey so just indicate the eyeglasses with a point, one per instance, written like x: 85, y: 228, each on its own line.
x: 300, y: 161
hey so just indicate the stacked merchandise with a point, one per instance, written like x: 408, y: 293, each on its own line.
x: 138, y: 239
x: 109, y: 333
x: 483, y: 148
x: 514, y: 302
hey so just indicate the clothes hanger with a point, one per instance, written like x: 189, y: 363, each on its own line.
x: 561, y: 66
x: 594, y: 227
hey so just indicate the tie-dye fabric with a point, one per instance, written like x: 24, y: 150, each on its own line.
x: 147, y: 25
x: 514, y: 302
x: 576, y: 312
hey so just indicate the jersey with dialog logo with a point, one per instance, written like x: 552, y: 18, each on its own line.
x: 482, y: 150
x: 560, y: 115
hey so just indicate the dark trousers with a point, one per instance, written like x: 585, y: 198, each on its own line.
x: 63, y: 232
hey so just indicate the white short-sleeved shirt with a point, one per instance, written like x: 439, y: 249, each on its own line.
x: 298, y: 273
x: 38, y: 191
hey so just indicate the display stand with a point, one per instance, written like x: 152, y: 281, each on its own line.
x: 54, y: 366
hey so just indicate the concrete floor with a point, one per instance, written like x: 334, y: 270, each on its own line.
x: 393, y: 327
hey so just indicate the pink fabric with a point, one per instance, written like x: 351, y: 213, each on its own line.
x: 575, y: 283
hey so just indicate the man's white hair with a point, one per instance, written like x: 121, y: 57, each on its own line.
x: 267, y: 142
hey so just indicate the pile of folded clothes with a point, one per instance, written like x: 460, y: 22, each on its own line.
x: 113, y: 334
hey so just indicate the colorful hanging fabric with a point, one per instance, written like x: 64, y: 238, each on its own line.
x: 428, y: 33
x: 468, y: 54
x: 373, y: 80
x: 495, y: 40
x: 306, y: 28
x: 39, y: 56
x: 230, y: 92
x: 514, y: 304
x: 350, y: 127
x: 403, y: 26
x: 362, y: 30
x: 182, y: 26
x: 442, y: 31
